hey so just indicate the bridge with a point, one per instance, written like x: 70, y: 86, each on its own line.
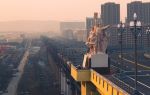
x: 77, y: 81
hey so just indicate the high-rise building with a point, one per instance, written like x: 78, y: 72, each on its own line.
x: 134, y: 7
x: 146, y: 13
x: 110, y: 13
x: 141, y: 9
x: 127, y: 38
x: 90, y: 23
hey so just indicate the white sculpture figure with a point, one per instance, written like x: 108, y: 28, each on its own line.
x: 102, y: 39
x: 96, y: 56
x: 97, y: 40
x: 97, y: 44
x: 91, y: 42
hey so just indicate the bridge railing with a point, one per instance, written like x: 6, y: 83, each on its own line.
x: 103, y: 85
x: 80, y: 74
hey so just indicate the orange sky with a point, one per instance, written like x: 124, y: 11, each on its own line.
x: 53, y: 9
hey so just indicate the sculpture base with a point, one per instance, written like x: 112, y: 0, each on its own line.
x: 99, y: 62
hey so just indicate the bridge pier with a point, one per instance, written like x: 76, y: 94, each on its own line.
x: 66, y: 86
x: 88, y: 89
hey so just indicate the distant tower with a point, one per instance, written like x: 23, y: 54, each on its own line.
x: 110, y: 13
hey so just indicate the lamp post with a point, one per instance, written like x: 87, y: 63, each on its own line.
x: 148, y: 38
x: 135, y: 27
x: 121, y: 29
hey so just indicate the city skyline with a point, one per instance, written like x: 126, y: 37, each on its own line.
x: 66, y: 10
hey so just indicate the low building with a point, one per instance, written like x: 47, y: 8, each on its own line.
x: 80, y: 35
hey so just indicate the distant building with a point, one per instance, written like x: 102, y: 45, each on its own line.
x: 80, y: 35
x: 90, y: 24
x: 10, y: 38
x: 146, y: 13
x: 145, y: 37
x: 134, y: 7
x: 71, y: 25
x: 127, y: 38
x: 110, y: 13
x: 141, y: 9
x: 65, y: 27
x: 68, y: 34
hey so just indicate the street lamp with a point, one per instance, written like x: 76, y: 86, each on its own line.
x: 121, y: 29
x: 135, y: 27
x: 148, y: 37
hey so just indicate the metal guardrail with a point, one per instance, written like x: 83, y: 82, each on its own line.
x: 106, y: 86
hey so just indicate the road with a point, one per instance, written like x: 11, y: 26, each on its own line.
x: 12, y: 87
x: 39, y: 75
x: 128, y: 68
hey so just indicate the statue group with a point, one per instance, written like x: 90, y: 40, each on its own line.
x: 97, y: 40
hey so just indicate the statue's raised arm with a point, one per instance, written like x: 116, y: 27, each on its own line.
x: 102, y: 39
x: 105, y: 27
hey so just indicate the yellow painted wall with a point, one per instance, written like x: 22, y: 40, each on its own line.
x: 103, y: 85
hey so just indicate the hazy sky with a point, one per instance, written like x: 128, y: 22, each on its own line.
x: 53, y: 9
